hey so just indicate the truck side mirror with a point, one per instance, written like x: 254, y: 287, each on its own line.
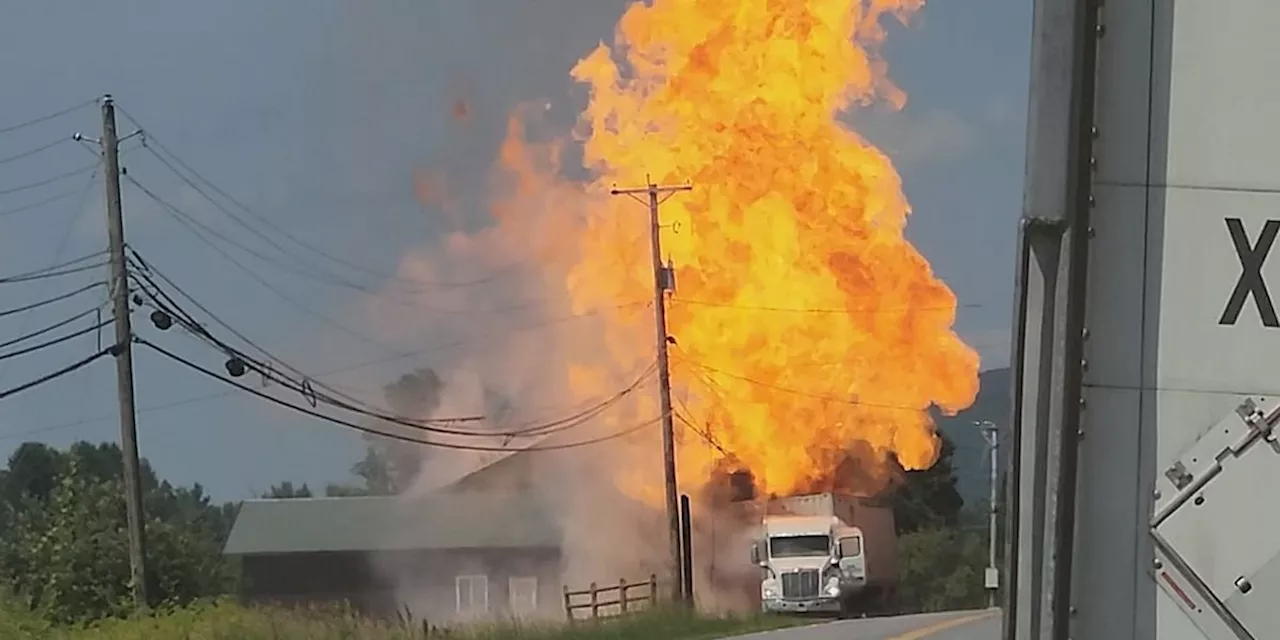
x: 755, y: 553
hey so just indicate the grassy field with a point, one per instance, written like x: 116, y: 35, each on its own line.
x: 227, y: 621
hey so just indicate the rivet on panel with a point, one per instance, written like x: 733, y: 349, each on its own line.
x: 1093, y: 131
x: 1091, y: 231
x: 1159, y: 564
x: 1084, y: 364
x: 1084, y: 333
x: 1093, y: 202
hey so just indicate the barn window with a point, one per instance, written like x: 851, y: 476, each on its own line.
x: 523, y: 593
x: 473, y: 594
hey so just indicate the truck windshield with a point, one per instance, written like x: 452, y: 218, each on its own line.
x: 799, y: 546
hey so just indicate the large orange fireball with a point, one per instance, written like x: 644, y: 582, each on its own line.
x: 803, y: 321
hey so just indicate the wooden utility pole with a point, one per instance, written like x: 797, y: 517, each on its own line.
x: 664, y: 281
x: 124, y: 356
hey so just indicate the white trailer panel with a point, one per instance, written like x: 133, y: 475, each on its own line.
x: 1179, y: 147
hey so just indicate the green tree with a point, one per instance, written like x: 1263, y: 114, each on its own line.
x: 929, y: 499
x: 942, y: 569
x: 287, y: 490
x: 390, y: 466
x: 65, y: 552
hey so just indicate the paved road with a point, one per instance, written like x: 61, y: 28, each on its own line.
x: 955, y: 625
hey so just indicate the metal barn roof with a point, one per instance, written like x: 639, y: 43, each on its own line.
x: 442, y: 520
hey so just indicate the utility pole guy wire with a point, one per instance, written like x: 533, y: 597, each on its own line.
x: 664, y: 281
x: 123, y: 351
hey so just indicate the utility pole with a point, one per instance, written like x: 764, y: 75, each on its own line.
x: 663, y: 281
x: 991, y: 433
x: 123, y: 353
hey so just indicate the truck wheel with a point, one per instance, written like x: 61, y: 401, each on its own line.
x: 846, y: 608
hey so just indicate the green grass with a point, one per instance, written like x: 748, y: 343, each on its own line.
x: 228, y: 621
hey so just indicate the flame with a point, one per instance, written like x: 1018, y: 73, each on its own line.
x: 807, y: 329
x: 805, y: 321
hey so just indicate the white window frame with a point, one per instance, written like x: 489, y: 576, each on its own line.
x: 471, y: 581
x: 522, y: 584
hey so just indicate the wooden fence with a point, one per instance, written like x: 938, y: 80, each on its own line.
x: 612, y: 600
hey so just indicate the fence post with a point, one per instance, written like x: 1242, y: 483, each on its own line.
x: 595, y: 602
x: 622, y: 594
x: 568, y: 604
x: 653, y: 590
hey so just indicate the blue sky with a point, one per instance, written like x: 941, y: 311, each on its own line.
x: 319, y: 120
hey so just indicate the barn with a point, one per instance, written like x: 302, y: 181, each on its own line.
x: 486, y: 546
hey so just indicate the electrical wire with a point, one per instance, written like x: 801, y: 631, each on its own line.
x: 705, y: 435
x: 47, y: 117
x: 66, y: 235
x: 208, y: 397
x: 393, y: 436
x: 817, y: 396
x: 837, y: 311
x: 40, y: 203
x: 49, y: 301
x: 173, y: 159
x: 51, y: 180
x: 53, y: 327
x: 56, y: 374
x: 53, y: 342
x: 33, y: 151
x: 192, y: 225
x: 355, y: 405
x: 56, y: 270
x: 308, y: 271
x: 174, y: 308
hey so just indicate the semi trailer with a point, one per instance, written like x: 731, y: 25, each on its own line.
x: 1145, y: 389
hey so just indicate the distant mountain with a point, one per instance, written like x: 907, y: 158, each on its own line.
x: 994, y: 403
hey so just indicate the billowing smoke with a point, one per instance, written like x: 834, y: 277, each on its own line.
x: 806, y: 320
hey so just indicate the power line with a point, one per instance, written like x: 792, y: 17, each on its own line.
x: 392, y: 436
x: 165, y: 406
x: 357, y: 406
x: 40, y: 183
x: 56, y: 374
x: 67, y: 233
x: 188, y: 321
x: 53, y: 327
x: 189, y: 222
x: 54, y: 271
x: 33, y: 151
x: 57, y: 197
x: 308, y: 271
x: 48, y: 117
x: 837, y: 311
x: 818, y: 396
x: 705, y: 435
x: 285, y: 234
x: 49, y: 301
x: 53, y: 342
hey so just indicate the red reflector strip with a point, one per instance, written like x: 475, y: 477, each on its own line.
x: 1178, y: 590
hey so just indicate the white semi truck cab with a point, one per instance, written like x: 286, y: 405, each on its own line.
x: 825, y: 553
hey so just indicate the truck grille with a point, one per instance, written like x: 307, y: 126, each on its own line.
x: 800, y: 584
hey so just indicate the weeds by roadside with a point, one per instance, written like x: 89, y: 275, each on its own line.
x: 228, y: 621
